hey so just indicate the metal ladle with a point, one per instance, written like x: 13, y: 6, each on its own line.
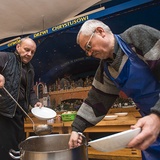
x: 41, y: 129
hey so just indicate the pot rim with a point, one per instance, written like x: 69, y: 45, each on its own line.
x: 44, y: 152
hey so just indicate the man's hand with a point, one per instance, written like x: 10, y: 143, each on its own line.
x: 38, y: 104
x: 150, y: 130
x: 75, y: 140
x: 2, y: 81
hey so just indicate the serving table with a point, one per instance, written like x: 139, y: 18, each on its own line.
x: 117, y: 125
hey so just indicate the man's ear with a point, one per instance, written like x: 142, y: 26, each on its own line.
x: 17, y: 46
x: 100, y: 31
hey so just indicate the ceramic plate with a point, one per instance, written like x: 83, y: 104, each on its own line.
x: 115, y: 141
x: 43, y: 113
x: 110, y: 117
x: 121, y: 114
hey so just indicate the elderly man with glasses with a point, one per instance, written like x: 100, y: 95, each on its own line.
x: 130, y: 62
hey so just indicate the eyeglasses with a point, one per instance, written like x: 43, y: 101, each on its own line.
x: 88, y: 47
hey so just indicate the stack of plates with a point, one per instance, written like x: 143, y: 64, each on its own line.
x: 110, y: 117
x: 121, y: 114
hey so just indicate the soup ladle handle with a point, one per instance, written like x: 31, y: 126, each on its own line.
x: 20, y: 107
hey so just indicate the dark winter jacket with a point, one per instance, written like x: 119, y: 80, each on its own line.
x: 10, y: 68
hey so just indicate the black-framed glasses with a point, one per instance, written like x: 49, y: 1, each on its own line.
x: 88, y: 46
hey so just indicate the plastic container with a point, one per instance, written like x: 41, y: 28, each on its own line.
x: 68, y: 116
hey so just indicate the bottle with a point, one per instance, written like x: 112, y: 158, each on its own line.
x: 45, y: 88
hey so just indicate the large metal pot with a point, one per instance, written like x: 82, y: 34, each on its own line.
x: 49, y: 147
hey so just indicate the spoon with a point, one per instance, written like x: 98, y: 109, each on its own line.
x: 41, y: 129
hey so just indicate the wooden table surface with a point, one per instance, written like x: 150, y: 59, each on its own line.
x: 117, y: 125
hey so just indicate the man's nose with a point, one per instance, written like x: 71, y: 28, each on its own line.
x: 29, y: 53
x: 90, y: 53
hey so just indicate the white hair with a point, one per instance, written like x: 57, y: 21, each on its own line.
x: 28, y: 39
x: 90, y: 26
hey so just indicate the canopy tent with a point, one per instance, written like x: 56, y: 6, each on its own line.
x: 29, y: 16
x: 57, y: 51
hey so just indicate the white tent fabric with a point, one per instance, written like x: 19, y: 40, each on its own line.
x: 20, y: 17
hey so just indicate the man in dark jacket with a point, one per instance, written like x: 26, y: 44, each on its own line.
x: 129, y: 62
x: 17, y: 76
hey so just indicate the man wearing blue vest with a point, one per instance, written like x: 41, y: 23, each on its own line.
x: 130, y: 62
